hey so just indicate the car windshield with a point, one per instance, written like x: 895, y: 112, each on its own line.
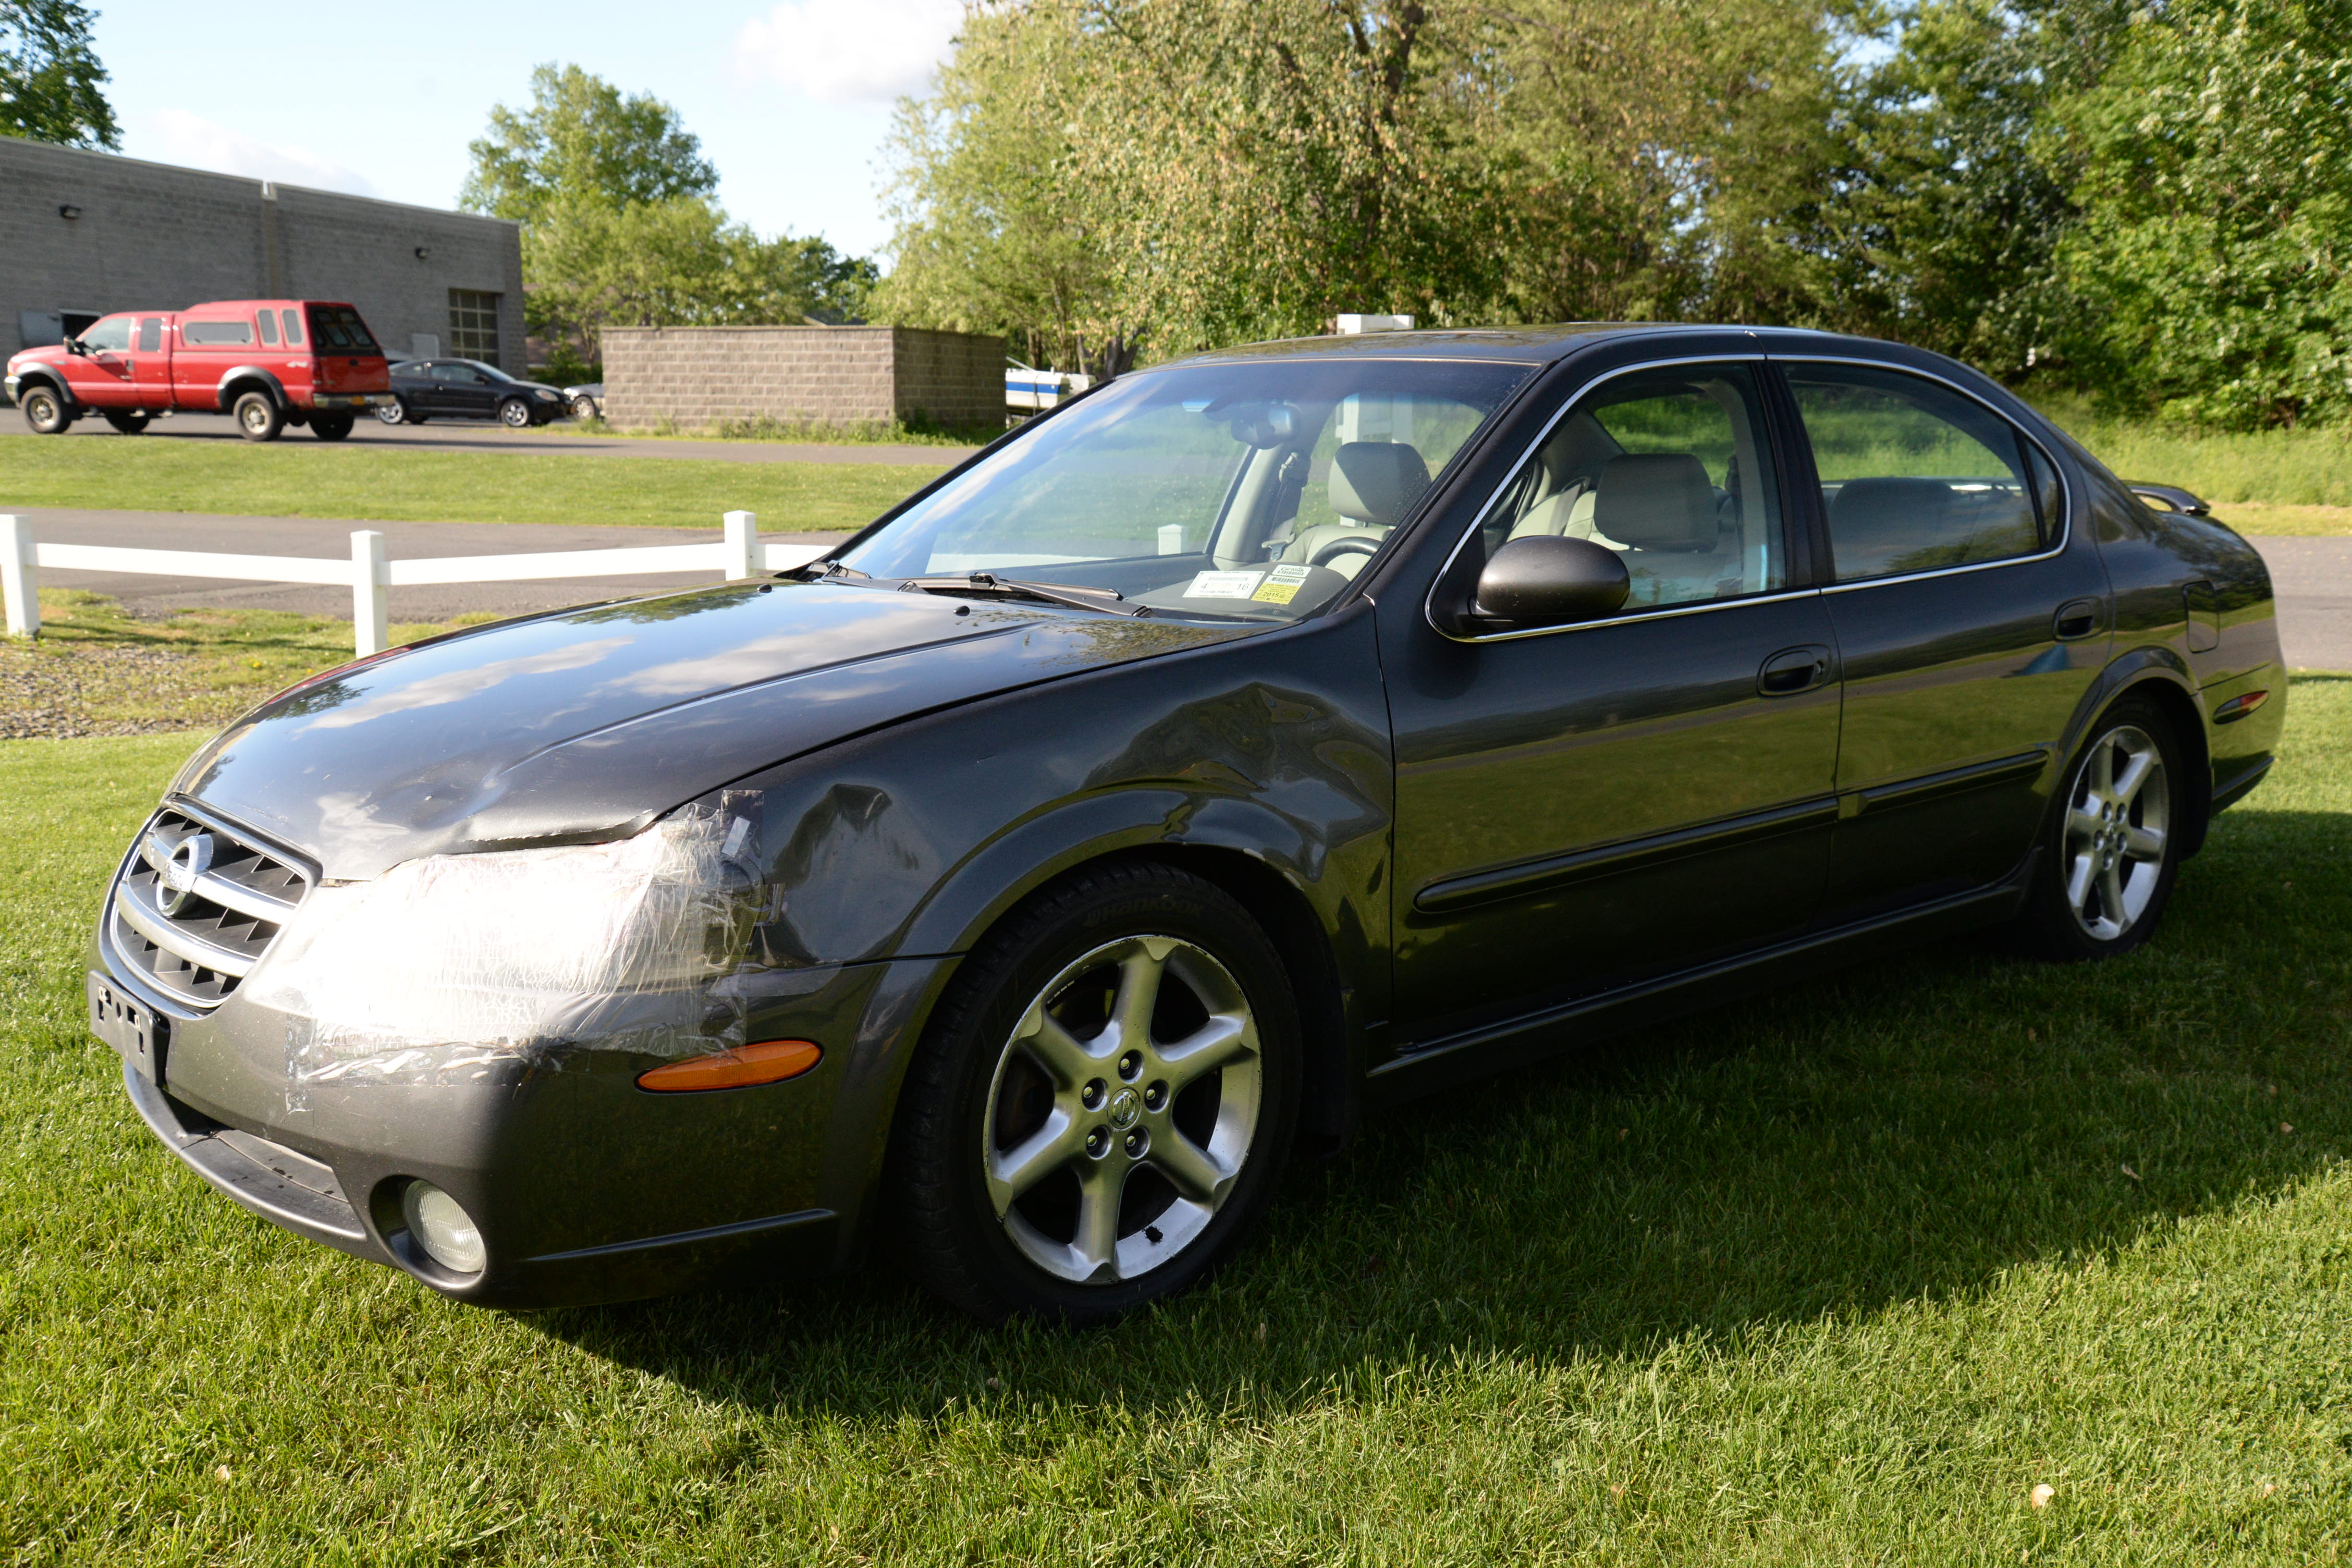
x: 1248, y: 491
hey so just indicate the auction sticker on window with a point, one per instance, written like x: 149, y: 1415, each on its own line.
x: 1282, y: 585
x: 1224, y: 585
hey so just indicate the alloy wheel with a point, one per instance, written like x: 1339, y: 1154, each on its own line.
x: 2118, y: 817
x: 1122, y: 1110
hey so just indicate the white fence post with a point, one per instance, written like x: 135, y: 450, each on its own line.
x: 371, y: 612
x: 19, y: 584
x: 742, y: 544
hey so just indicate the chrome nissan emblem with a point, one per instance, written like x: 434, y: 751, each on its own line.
x: 1125, y: 1107
x: 189, y: 860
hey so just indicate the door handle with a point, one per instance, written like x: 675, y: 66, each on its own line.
x: 2077, y: 618
x: 1794, y: 670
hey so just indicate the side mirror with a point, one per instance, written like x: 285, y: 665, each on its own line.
x: 75, y: 347
x: 1548, y: 580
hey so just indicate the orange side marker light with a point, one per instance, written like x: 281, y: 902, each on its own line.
x: 769, y: 1061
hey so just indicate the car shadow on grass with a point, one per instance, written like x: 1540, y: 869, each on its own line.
x: 1906, y: 1130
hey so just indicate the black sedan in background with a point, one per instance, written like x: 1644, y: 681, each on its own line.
x: 424, y: 389
x: 1249, y: 742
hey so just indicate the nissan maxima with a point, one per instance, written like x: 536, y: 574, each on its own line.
x: 1249, y: 743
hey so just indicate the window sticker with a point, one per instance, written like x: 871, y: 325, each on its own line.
x: 1224, y: 585
x: 1282, y: 585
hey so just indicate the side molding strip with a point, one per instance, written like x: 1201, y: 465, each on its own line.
x: 1609, y: 860
x: 1936, y: 787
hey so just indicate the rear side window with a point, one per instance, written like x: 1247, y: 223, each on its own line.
x: 338, y: 330
x: 270, y: 328
x: 1916, y: 477
x: 151, y: 334
x: 293, y: 328
x: 203, y: 335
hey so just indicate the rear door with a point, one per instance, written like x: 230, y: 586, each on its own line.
x: 151, y: 353
x: 1584, y: 807
x: 1972, y: 620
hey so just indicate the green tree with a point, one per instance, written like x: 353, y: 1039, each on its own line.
x: 51, y: 84
x: 581, y: 141
x: 2213, y: 258
x: 992, y: 237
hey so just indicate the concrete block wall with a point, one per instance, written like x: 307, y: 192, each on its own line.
x: 153, y: 236
x: 696, y: 377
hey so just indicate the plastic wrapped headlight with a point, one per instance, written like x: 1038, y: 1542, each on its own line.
x: 453, y: 960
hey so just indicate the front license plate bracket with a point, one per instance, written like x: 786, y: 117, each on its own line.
x: 138, y: 1032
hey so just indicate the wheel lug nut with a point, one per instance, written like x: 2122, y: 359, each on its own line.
x: 1098, y: 1142
x: 1136, y: 1143
x: 1091, y: 1097
x: 1155, y: 1096
x: 1131, y: 1065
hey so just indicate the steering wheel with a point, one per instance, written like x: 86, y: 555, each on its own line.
x: 1355, y: 545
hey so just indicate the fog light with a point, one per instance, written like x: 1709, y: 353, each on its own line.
x: 445, y: 1230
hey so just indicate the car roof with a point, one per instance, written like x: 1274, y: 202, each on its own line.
x: 1544, y: 344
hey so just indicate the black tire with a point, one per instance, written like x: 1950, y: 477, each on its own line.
x: 45, y: 411
x: 394, y: 414
x: 515, y: 414
x: 2101, y: 887
x: 128, y: 424
x: 331, y: 426
x: 974, y: 1094
x: 258, y: 417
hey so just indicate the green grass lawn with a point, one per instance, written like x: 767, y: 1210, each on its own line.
x: 1840, y: 1275
x: 311, y: 478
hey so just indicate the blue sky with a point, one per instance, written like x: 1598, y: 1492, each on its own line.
x: 791, y: 100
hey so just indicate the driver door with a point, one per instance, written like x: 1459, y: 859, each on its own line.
x: 1583, y: 807
x: 103, y: 375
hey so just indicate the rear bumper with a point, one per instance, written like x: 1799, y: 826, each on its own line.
x: 356, y: 400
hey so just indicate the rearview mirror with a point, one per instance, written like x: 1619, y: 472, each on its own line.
x: 1549, y: 580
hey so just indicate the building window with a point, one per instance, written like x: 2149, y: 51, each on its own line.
x: 474, y: 326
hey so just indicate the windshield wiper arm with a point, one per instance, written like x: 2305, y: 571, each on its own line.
x: 1051, y: 592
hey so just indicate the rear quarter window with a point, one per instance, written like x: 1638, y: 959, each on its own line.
x: 217, y: 334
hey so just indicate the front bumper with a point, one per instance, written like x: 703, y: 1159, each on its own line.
x: 331, y: 400
x: 586, y: 1188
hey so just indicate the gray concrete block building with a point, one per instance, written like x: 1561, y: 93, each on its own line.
x: 695, y: 377
x: 83, y: 233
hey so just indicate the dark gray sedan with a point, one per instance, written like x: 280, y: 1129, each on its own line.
x: 1249, y: 742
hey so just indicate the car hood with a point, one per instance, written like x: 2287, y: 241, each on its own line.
x: 588, y: 724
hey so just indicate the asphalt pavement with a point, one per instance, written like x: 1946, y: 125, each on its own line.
x: 2313, y: 577
x: 441, y: 435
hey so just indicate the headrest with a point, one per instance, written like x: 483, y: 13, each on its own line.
x: 1377, y: 481
x: 1656, y: 500
x: 1882, y: 525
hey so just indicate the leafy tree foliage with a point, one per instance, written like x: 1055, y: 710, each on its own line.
x: 51, y: 84
x: 620, y: 228
x: 2214, y: 252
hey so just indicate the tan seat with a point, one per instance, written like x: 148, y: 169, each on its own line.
x: 1372, y: 486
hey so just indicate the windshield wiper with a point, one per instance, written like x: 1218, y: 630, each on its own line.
x: 818, y: 571
x: 1104, y: 599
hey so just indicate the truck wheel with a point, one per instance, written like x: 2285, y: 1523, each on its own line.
x: 128, y: 424
x: 258, y: 417
x: 45, y: 411
x: 515, y: 414
x: 330, y: 427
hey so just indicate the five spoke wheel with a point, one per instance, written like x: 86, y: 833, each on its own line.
x: 2118, y: 818
x: 1122, y: 1108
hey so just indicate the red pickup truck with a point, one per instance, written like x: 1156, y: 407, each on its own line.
x: 266, y: 363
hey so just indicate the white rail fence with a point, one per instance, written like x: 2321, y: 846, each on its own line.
x: 369, y: 572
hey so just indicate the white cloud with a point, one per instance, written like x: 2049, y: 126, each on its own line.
x: 840, y: 51
x: 190, y: 138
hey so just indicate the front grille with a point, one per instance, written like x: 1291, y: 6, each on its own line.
x: 197, y: 905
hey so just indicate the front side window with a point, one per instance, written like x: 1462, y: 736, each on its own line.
x: 1254, y: 490
x: 1916, y: 477
x: 1671, y: 469
x: 112, y: 334
x: 456, y: 374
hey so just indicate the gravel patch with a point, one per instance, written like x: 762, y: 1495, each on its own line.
x: 66, y: 693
